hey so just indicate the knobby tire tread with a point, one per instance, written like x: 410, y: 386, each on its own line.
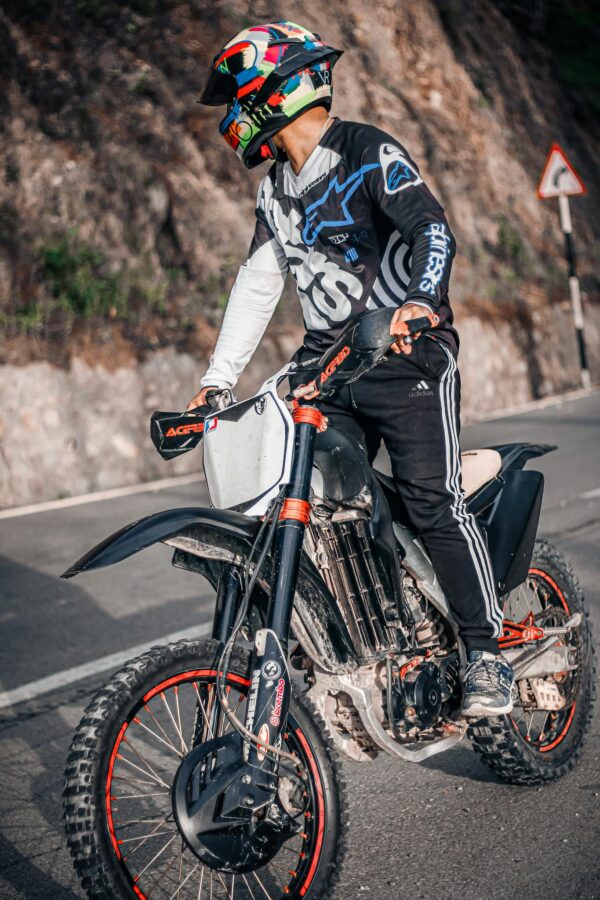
x: 495, y: 740
x: 82, y: 816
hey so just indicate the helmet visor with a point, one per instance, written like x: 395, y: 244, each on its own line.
x: 238, y: 127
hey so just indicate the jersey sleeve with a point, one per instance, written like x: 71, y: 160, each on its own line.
x: 397, y: 189
x: 254, y: 296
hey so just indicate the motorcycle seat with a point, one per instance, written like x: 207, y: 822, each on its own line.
x: 479, y: 467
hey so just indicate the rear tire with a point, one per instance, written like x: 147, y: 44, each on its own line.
x: 98, y: 830
x: 514, y: 756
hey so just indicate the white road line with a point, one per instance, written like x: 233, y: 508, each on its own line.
x: 589, y: 495
x: 78, y: 673
x: 125, y: 491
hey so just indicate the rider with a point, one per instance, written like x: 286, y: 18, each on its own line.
x: 345, y: 210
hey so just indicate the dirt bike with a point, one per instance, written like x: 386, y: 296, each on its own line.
x: 208, y: 768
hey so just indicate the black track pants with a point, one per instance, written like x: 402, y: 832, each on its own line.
x: 412, y: 403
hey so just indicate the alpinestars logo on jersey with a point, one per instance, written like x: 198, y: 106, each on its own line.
x: 398, y: 173
x: 439, y: 240
x: 421, y: 390
x: 345, y: 191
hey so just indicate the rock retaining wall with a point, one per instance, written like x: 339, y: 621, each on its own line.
x: 67, y: 432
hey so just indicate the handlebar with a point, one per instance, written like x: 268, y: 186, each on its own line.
x: 360, y: 347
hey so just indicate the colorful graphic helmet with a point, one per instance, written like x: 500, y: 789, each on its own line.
x: 268, y: 75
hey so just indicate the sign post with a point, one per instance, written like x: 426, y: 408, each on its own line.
x: 559, y: 179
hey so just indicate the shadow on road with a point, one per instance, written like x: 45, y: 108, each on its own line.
x: 26, y: 878
x: 461, y: 763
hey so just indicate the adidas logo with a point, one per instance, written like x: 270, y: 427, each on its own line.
x: 421, y: 390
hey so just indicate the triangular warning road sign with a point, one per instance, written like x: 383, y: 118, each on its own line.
x: 559, y: 176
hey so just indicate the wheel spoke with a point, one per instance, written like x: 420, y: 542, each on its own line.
x: 150, y: 890
x: 156, y: 780
x: 128, y: 780
x: 141, y: 796
x: 204, y: 713
x: 227, y: 893
x: 249, y: 888
x: 271, y: 863
x: 159, y: 726
x: 172, y: 718
x: 134, y: 822
x: 144, y: 761
x: 180, y: 729
x: 167, y: 743
x: 185, y: 880
x: 146, y: 839
x: 156, y: 856
x: 264, y: 890
x: 151, y: 834
x: 201, y: 883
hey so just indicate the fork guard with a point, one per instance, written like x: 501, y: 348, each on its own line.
x: 207, y: 541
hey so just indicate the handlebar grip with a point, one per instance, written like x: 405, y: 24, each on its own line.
x: 416, y: 325
x: 219, y: 398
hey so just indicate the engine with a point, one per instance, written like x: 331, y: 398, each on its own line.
x: 413, y: 672
x: 424, y: 690
x: 417, y: 697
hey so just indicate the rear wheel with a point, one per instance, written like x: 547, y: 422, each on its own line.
x: 129, y: 745
x: 536, y: 744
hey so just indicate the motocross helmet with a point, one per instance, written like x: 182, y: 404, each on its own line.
x: 267, y: 75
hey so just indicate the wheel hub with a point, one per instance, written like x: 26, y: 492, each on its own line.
x: 229, y: 814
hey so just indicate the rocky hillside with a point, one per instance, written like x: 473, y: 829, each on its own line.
x: 123, y: 215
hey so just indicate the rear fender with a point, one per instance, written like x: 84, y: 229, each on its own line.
x: 514, y: 456
x: 512, y: 527
x: 207, y: 540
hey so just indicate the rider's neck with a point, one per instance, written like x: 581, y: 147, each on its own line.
x: 301, y: 136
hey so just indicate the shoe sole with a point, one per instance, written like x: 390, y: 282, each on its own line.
x: 479, y: 711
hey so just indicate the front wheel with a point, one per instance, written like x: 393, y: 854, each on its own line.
x: 125, y: 754
x: 543, y: 737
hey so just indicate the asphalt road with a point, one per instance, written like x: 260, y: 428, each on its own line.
x: 445, y: 829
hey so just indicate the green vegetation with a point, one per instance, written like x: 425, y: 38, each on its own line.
x: 81, y: 286
x: 511, y: 247
x: 74, y: 273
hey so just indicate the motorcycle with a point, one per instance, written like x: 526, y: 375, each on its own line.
x: 209, y: 768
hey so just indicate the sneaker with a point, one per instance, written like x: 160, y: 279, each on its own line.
x: 487, y: 686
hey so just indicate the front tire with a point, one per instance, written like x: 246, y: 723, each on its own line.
x: 117, y: 796
x: 530, y: 747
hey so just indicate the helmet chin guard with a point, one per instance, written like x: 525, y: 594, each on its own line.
x: 268, y: 75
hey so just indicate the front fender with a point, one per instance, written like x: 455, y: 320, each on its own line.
x: 160, y: 527
x: 207, y: 539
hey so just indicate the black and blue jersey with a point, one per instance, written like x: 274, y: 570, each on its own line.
x: 357, y: 228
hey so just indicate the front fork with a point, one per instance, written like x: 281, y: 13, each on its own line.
x: 269, y: 697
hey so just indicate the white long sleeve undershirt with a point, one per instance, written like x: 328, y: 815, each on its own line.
x: 254, y: 296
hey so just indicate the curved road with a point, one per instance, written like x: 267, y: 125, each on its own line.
x: 446, y: 829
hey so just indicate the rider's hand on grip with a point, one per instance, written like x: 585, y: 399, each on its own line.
x: 408, y: 324
x: 211, y: 396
